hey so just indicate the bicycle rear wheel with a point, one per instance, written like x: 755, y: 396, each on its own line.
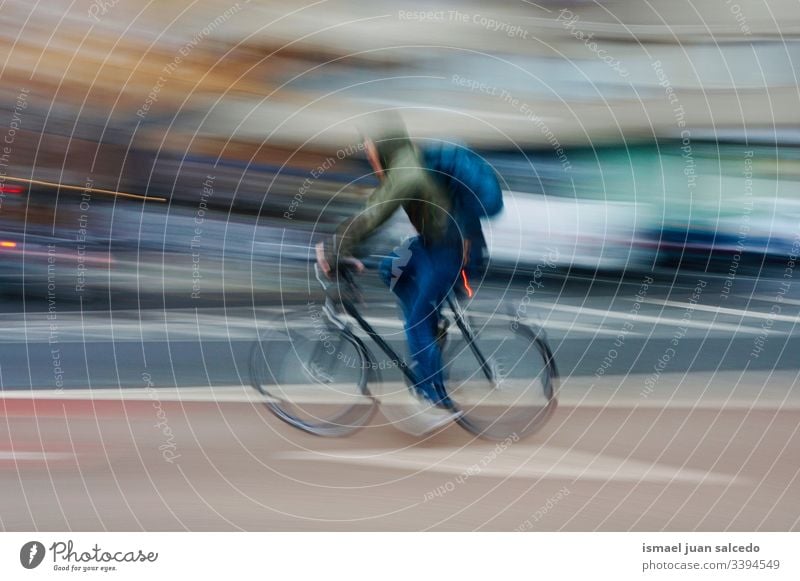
x: 314, y: 379
x: 501, y: 376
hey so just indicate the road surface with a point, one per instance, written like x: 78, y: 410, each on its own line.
x: 153, y: 427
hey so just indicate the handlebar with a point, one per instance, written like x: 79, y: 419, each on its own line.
x: 333, y: 288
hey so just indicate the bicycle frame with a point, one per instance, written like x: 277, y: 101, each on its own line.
x: 350, y: 309
x: 492, y: 428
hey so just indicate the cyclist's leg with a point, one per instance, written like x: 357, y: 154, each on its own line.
x: 436, y: 270
x: 421, y: 277
x: 397, y: 272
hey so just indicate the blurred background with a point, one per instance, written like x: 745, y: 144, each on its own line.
x: 626, y: 144
x: 165, y: 169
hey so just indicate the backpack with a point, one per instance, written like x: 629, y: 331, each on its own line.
x: 470, y: 181
x: 473, y: 188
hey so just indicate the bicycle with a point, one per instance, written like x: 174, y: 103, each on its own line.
x: 489, y: 369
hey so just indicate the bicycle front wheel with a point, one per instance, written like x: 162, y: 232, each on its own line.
x: 314, y: 379
x: 502, y: 376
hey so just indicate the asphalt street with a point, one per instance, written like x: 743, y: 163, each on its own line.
x: 678, y: 411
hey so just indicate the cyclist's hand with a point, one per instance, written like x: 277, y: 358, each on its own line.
x: 352, y: 262
x: 324, y: 266
x: 347, y: 261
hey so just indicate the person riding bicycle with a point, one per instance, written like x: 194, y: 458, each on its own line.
x: 423, y: 270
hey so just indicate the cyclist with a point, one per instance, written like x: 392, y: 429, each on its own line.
x: 423, y: 270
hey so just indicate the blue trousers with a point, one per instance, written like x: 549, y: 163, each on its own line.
x: 421, y: 276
